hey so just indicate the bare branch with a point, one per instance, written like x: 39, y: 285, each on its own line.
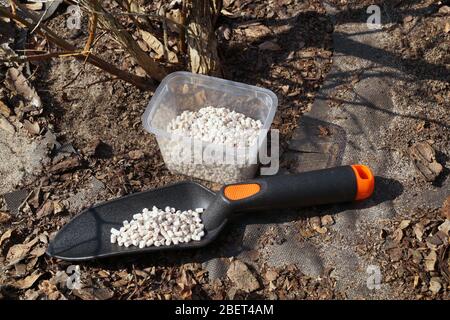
x: 29, y: 19
x: 127, y: 42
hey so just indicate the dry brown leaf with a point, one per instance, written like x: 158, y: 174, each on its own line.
x: 46, y: 209
x: 445, y: 227
x: 175, y: 16
x: 66, y: 165
x: 4, y: 109
x: 446, y: 208
x: 26, y: 282
x: 271, y: 275
x: 4, y: 217
x: 157, y: 46
x: 6, y: 235
x: 418, y: 231
x: 327, y: 220
x: 38, y: 251
x: 31, y: 263
x: 430, y: 261
x: 398, y: 235
x: 49, y: 289
x: 447, y: 27
x: 256, y: 31
x: 269, y: 45
x: 404, y: 224
x: 435, y: 285
x: 6, y: 125
x: 35, y: 6
x: 58, y: 207
x: 32, y: 128
x: 16, y: 81
x: 17, y: 252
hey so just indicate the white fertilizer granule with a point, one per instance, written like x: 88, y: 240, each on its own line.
x: 217, y: 125
x: 159, y: 227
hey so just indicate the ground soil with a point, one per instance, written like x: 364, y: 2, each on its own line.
x: 101, y: 120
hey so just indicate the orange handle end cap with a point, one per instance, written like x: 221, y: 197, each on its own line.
x: 365, y: 181
x: 241, y: 191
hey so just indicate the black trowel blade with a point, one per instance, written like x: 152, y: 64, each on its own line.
x: 88, y: 235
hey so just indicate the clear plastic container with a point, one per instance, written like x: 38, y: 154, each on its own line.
x: 182, y: 91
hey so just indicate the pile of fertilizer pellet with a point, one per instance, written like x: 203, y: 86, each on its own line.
x: 159, y: 227
x: 217, y: 125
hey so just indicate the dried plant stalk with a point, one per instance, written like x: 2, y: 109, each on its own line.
x: 29, y: 19
x: 108, y: 22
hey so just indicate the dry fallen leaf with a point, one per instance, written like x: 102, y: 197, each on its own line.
x: 445, y: 227
x: 404, y: 224
x: 32, y: 128
x: 398, y: 235
x: 271, y: 275
x: 26, y: 282
x: 19, y: 251
x: 4, y: 109
x: 6, y: 125
x: 430, y: 261
x: 16, y: 81
x: 435, y: 285
x: 256, y: 31
x: 418, y: 231
x: 269, y: 45
x: 327, y: 220
x: 45, y: 210
x: 447, y: 27
x: 136, y: 154
x: 157, y: 46
x: 6, y: 235
x: 4, y: 217
x: 38, y: 251
x: 445, y: 211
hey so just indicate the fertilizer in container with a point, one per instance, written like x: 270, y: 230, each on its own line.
x: 210, y: 128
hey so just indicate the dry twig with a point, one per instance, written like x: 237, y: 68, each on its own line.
x: 23, y: 16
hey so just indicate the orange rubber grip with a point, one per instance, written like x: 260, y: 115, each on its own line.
x: 365, y: 181
x: 241, y: 191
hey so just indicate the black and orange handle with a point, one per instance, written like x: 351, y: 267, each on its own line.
x: 333, y: 185
x: 320, y: 187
